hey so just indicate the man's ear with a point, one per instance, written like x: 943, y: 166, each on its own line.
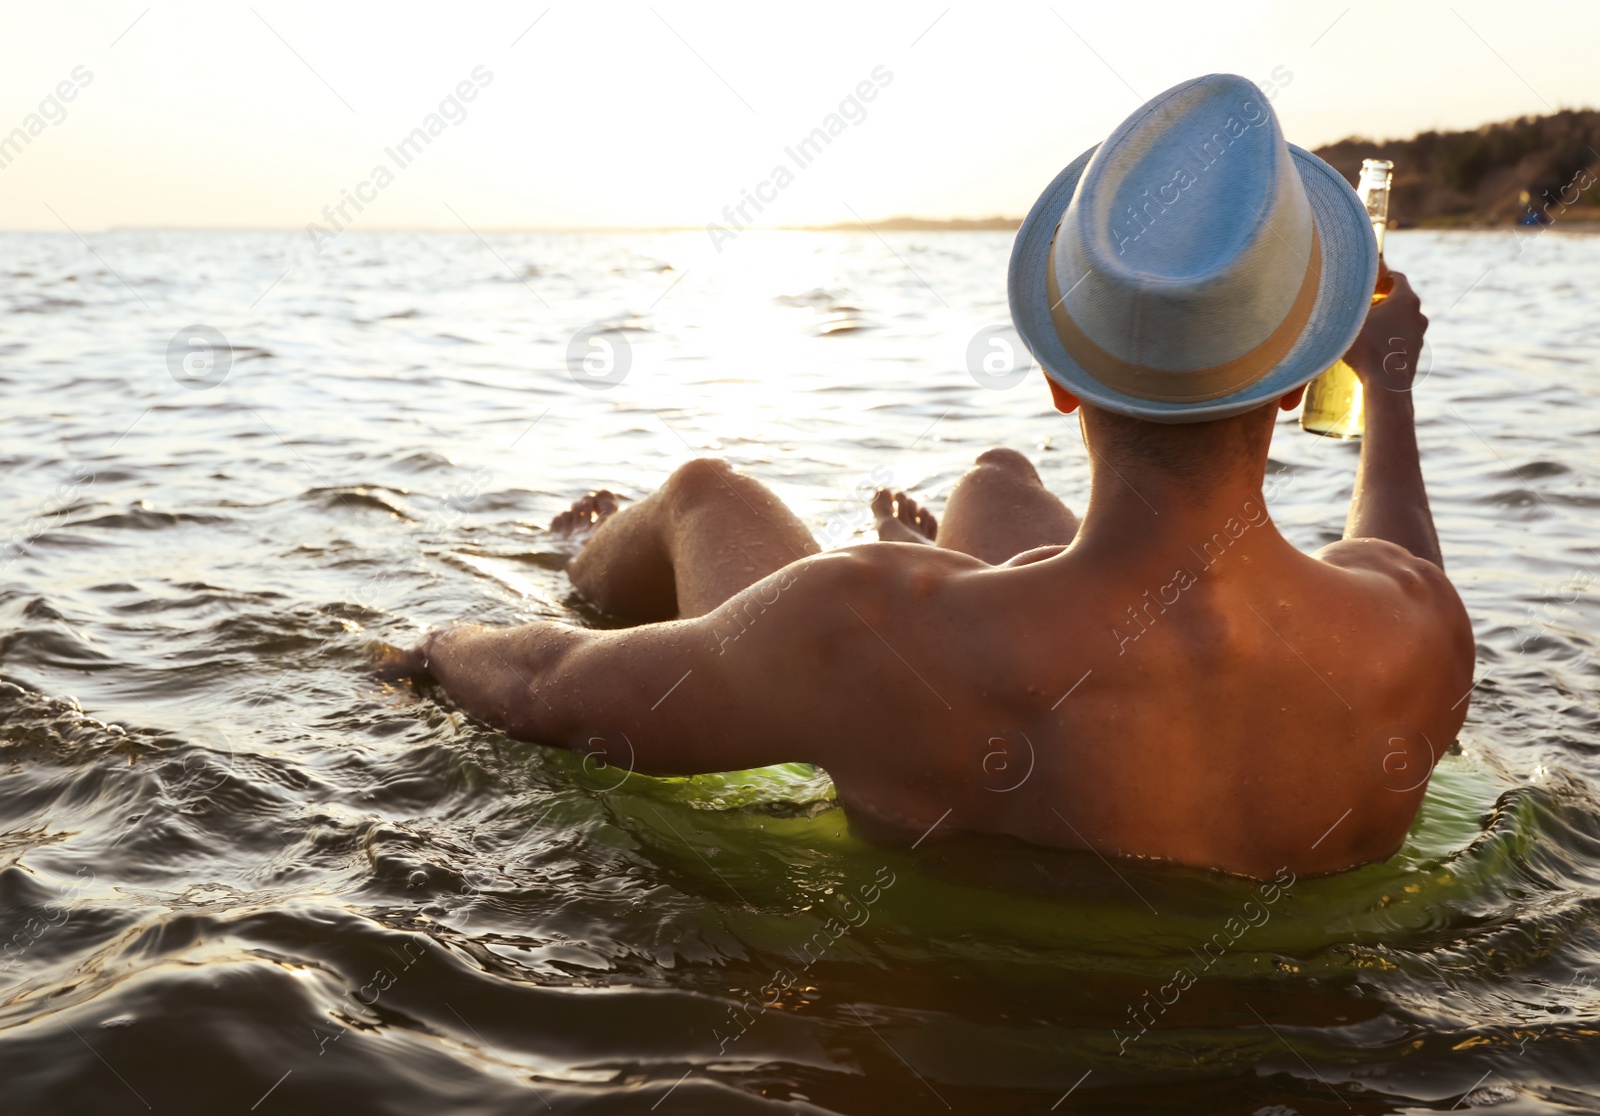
x: 1292, y: 400
x: 1065, y: 401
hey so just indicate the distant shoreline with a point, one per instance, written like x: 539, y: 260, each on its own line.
x: 1529, y: 173
x: 1543, y: 169
x: 1588, y: 222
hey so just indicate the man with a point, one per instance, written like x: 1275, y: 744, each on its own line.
x: 1167, y: 679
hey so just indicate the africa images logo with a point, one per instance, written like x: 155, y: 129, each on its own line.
x: 451, y: 110
x: 51, y: 110
x: 851, y: 110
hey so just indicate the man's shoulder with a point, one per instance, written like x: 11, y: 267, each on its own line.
x: 1389, y: 569
x: 838, y: 588
x: 1409, y: 606
x: 1377, y: 555
x: 886, y: 565
x: 837, y: 602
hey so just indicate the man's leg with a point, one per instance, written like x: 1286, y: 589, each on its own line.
x: 705, y: 534
x: 998, y: 510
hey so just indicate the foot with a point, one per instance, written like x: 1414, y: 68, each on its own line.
x: 901, y: 519
x: 586, y: 513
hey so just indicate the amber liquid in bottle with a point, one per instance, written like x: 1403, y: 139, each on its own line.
x: 1333, y: 403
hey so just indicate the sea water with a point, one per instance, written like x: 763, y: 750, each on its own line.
x: 237, y: 873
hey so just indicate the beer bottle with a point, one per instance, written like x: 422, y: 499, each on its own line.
x: 1333, y: 399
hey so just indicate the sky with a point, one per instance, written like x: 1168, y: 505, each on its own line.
x: 270, y: 115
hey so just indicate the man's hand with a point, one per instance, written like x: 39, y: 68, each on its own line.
x: 1385, y: 354
x: 401, y: 664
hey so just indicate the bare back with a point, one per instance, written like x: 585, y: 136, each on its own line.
x: 1245, y: 710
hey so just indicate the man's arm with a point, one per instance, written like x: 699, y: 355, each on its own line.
x: 729, y: 690
x: 1389, y: 533
x: 1390, y: 501
x: 497, y: 675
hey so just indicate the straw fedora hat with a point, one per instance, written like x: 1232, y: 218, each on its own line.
x: 1195, y: 264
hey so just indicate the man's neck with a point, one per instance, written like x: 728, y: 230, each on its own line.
x: 1135, y: 508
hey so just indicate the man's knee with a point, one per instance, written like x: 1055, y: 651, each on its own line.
x: 695, y: 479
x: 1008, y: 459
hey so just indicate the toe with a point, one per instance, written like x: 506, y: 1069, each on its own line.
x: 928, y: 524
x: 883, y: 504
x: 586, y: 512
x: 906, y: 509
